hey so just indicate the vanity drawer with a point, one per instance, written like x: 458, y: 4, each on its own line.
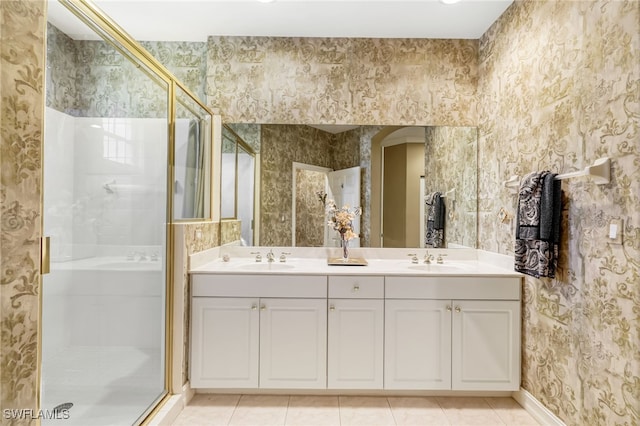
x: 252, y: 285
x: 356, y: 287
x: 471, y: 288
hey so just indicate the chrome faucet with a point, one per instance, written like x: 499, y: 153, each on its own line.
x: 270, y: 256
x: 428, y: 258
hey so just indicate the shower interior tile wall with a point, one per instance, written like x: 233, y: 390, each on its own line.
x: 106, y: 168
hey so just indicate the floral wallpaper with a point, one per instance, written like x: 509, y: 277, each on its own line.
x: 229, y: 231
x: 249, y: 133
x: 61, y: 75
x: 451, y: 164
x: 310, y: 211
x: 343, y: 81
x: 91, y: 79
x: 559, y: 87
x: 185, y: 60
x: 281, y: 145
x: 21, y: 107
x: 552, y: 85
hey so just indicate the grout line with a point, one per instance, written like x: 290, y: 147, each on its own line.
x: 286, y: 413
x: 391, y: 410
x: 234, y: 409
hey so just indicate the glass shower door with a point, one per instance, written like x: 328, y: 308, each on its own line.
x: 106, y: 212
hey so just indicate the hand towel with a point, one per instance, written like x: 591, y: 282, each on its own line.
x: 538, y: 225
x: 435, y: 220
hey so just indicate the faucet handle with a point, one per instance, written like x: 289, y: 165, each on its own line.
x: 258, y: 256
x: 428, y: 257
x: 414, y: 259
x: 283, y: 256
x: 440, y: 258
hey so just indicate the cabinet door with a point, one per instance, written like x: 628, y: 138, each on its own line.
x: 486, y: 345
x: 224, y: 343
x: 355, y: 352
x: 293, y: 343
x: 417, y: 344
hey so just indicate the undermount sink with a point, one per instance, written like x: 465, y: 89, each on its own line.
x: 265, y: 266
x: 437, y: 267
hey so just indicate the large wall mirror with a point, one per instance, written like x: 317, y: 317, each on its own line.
x: 401, y: 169
x: 193, y: 159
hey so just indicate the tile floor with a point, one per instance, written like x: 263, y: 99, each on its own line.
x: 300, y: 410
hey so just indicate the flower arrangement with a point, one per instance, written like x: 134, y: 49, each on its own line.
x: 341, y: 219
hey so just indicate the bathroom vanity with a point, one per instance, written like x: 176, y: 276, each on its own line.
x: 392, y: 325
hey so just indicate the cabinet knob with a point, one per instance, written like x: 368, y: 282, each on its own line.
x: 458, y: 309
x: 356, y: 287
x: 448, y: 308
x: 263, y: 308
x: 332, y: 308
x: 254, y: 307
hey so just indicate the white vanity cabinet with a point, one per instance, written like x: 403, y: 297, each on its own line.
x: 293, y: 343
x: 356, y: 332
x: 417, y: 344
x: 258, y: 331
x: 459, y: 333
x: 224, y: 342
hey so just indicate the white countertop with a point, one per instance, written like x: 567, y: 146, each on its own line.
x: 319, y: 266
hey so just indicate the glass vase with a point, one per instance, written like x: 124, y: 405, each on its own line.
x: 345, y: 248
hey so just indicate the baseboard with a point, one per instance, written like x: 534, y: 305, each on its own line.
x: 172, y: 407
x: 187, y: 393
x: 536, y: 409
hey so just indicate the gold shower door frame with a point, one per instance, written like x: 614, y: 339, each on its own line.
x: 97, y: 20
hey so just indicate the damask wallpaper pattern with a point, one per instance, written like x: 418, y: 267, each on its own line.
x: 310, y: 212
x: 559, y: 87
x: 91, y: 79
x: 281, y: 145
x: 22, y: 36
x: 345, y: 81
x: 451, y: 165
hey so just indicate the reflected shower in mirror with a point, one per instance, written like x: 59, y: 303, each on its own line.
x: 399, y: 167
x: 192, y: 187
x: 238, y: 186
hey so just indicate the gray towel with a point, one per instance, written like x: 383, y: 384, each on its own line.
x: 435, y: 220
x: 538, y: 225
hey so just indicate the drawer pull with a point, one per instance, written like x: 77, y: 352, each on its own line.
x: 332, y: 308
x: 263, y: 308
x: 458, y: 309
x: 254, y: 307
x: 448, y: 308
x: 356, y: 287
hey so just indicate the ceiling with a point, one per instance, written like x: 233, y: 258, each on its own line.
x: 195, y: 20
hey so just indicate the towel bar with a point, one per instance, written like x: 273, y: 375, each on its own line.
x: 599, y: 172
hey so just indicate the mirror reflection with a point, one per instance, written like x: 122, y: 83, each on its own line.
x: 398, y: 168
x: 192, y: 190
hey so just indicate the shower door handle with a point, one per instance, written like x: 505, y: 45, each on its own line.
x: 45, y: 255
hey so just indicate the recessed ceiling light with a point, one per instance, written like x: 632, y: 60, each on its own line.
x: 449, y: 1
x: 266, y: 1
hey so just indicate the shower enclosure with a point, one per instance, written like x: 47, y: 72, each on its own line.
x: 108, y: 205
